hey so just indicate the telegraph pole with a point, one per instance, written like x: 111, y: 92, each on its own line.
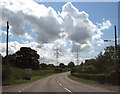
x: 116, y: 52
x: 7, y: 39
x: 115, y: 42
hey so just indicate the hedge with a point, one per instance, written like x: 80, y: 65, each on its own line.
x: 112, y: 78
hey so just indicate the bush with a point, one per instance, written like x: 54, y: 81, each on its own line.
x: 84, y: 69
x: 10, y: 74
x: 98, y: 77
x: 41, y: 72
x: 58, y: 70
x: 111, y: 78
x: 6, y: 73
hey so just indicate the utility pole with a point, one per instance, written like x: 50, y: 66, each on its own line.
x: 116, y: 57
x: 7, y: 40
x: 116, y: 52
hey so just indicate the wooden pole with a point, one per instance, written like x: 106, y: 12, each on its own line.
x: 7, y: 39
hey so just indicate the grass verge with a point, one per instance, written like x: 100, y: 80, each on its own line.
x: 33, y: 78
x: 83, y: 80
x: 88, y: 81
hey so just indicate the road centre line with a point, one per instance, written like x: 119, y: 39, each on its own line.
x: 67, y: 90
x: 64, y: 87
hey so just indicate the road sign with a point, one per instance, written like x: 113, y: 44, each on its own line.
x: 28, y: 71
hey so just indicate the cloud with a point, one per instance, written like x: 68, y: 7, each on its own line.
x: 51, y: 28
x: 16, y: 20
x: 105, y: 25
x: 47, y: 29
x: 78, y: 27
x: 44, y: 21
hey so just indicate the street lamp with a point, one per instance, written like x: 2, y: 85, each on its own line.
x: 115, y: 46
x: 109, y: 40
x: 116, y: 54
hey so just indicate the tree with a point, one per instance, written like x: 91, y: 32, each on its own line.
x: 90, y: 62
x: 43, y: 66
x: 27, y: 58
x: 71, y: 65
x: 51, y: 65
x: 61, y: 65
x: 10, y: 59
x: 81, y: 64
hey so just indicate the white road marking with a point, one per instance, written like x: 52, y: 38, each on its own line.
x: 79, y: 83
x: 60, y: 84
x: 67, y: 90
x: 19, y: 91
x: 23, y: 89
x: 63, y: 87
x: 88, y: 86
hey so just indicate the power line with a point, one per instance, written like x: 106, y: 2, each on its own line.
x: 77, y: 58
x: 57, y: 56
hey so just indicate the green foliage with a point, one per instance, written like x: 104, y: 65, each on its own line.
x: 61, y: 65
x: 102, y: 69
x: 58, y: 70
x: 43, y: 66
x: 71, y: 65
x: 41, y: 72
x: 6, y: 72
x: 98, y: 77
x: 110, y: 78
x: 13, y: 75
x: 84, y: 80
x: 84, y: 69
x: 27, y: 58
x: 88, y: 69
x: 81, y: 64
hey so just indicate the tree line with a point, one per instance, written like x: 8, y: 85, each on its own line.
x: 28, y: 58
x: 104, y: 68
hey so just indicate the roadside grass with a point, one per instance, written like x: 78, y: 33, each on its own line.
x: 83, y: 80
x: 88, y: 81
x: 33, y: 78
x: 13, y: 75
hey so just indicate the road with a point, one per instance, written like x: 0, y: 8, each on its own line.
x: 55, y: 83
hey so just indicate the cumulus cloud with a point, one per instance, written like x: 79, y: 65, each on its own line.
x: 80, y: 30
x: 105, y: 25
x: 16, y: 20
x: 47, y: 29
x: 43, y: 20
x: 51, y: 28
x: 77, y: 25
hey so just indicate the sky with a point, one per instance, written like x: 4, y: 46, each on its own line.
x: 69, y: 26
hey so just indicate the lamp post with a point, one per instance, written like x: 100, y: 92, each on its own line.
x: 116, y: 56
x: 115, y: 47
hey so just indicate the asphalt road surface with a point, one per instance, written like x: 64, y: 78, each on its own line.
x: 55, y: 83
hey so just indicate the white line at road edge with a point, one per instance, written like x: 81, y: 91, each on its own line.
x: 64, y: 87
x: 79, y: 83
x: 93, y: 87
